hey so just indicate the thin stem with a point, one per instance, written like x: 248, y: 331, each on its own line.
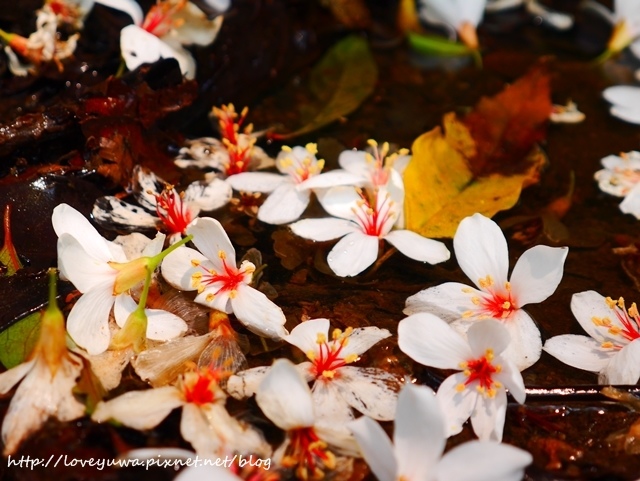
x: 155, y: 261
x: 382, y: 259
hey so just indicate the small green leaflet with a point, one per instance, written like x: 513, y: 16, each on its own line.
x: 339, y: 83
x: 432, y: 45
x: 17, y: 342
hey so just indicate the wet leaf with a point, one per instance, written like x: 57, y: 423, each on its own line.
x: 505, y: 127
x: 17, y: 342
x: 441, y: 189
x: 339, y: 83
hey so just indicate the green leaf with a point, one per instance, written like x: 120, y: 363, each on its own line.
x: 432, y: 45
x: 17, y: 342
x: 339, y: 83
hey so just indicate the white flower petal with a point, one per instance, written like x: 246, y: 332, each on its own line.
x: 362, y: 338
x: 526, y: 344
x: 419, y: 434
x: 10, y: 378
x: 177, y: 267
x: 85, y: 271
x: 354, y: 162
x: 481, y: 249
x: 487, y: 334
x: 245, y: 383
x: 339, y: 201
x: 88, y: 321
x: 265, y: 182
x: 329, y: 407
x: 123, y: 306
x: 260, y: 315
x: 376, y: 448
x: 67, y: 220
x: 305, y: 335
x: 333, y: 178
x: 203, y: 472
x: 559, y: 21
x: 629, y: 114
x: 193, y: 27
x: 631, y: 202
x: 622, y: 95
x: 511, y: 378
x: 417, y: 247
x: 624, y: 367
x: 130, y: 7
x: 429, y: 340
x: 208, y: 196
x: 491, y: 461
x: 323, y: 229
x: 537, y: 274
x: 140, y: 409
x: 211, y: 239
x: 284, y: 205
x: 456, y: 406
x: 39, y: 397
x: 581, y: 352
x: 353, y: 254
x: 588, y: 305
x: 488, y: 416
x: 285, y: 398
x: 116, y: 213
x: 448, y: 301
x: 163, y: 325
x: 369, y: 390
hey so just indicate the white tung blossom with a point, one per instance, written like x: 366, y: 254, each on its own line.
x: 482, y: 253
x: 621, y: 178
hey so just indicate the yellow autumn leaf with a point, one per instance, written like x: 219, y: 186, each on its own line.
x: 440, y: 189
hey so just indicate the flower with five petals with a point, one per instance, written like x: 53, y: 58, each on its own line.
x: 419, y: 439
x: 478, y: 391
x: 363, y: 220
x: 482, y: 253
x: 219, y: 282
x: 613, y: 350
x: 338, y: 386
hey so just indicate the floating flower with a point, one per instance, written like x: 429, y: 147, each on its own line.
x: 41, y: 47
x: 625, y: 19
x: 289, y: 193
x: 236, y: 152
x: 48, y: 378
x: 419, y: 438
x: 613, y: 349
x: 205, y: 422
x: 219, y: 282
x: 625, y: 100
x: 310, y: 444
x: 478, y: 392
x: 167, y: 27
x: 462, y: 16
x: 159, y: 204
x: 482, y: 253
x: 338, y: 387
x: 621, y: 177
x: 100, y: 270
x: 363, y: 221
x: 566, y: 114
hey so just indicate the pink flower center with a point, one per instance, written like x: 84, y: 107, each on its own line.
x: 376, y: 220
x: 301, y: 169
x: 381, y: 163
x: 494, y: 302
x: 480, y: 373
x: 201, y: 387
x: 226, y: 280
x: 626, y: 330
x: 159, y: 20
x: 328, y: 357
x: 307, y: 454
x: 173, y: 211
